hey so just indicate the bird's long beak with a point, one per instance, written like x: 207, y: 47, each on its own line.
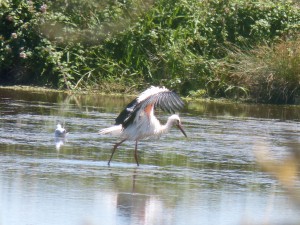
x: 181, y: 129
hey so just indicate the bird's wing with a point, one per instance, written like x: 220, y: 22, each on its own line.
x: 125, y: 114
x: 166, y: 100
x: 131, y: 107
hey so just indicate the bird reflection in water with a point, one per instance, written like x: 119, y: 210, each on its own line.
x: 135, y: 206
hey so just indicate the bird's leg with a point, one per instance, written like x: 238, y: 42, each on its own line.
x: 136, y: 154
x: 114, y: 149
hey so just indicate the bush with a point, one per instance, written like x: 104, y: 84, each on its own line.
x: 181, y: 44
x: 270, y: 73
x: 27, y: 55
x: 41, y: 43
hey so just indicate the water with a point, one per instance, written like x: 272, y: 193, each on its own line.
x: 210, y: 178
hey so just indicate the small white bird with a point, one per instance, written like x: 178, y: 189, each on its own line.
x: 60, y: 132
x: 137, y: 121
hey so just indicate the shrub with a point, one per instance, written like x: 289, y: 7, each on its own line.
x: 27, y: 55
x: 181, y: 44
x: 46, y: 43
x: 270, y: 73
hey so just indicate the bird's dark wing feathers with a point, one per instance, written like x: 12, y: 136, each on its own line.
x: 168, y: 101
x: 125, y: 114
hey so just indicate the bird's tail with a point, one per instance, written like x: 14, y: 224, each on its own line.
x: 114, y: 130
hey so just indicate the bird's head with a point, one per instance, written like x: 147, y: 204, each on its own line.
x: 176, y: 121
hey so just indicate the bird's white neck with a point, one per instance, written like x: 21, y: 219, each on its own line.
x: 167, y: 126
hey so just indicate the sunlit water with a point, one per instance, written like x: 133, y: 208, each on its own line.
x: 210, y: 178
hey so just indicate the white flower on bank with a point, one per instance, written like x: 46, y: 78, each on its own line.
x: 23, y: 55
x: 43, y: 8
x: 14, y: 35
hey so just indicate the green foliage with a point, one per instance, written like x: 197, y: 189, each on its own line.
x: 27, y: 55
x: 177, y: 43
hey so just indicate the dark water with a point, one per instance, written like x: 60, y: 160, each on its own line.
x: 210, y: 178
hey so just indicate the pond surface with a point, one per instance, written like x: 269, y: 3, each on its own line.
x: 210, y: 178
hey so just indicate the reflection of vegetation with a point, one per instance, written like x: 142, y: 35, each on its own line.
x: 124, y: 45
x: 221, y: 109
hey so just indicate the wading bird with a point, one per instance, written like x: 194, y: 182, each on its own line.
x: 60, y: 132
x: 60, y: 136
x: 137, y: 121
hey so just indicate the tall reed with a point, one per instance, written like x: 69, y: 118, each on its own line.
x: 270, y: 73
